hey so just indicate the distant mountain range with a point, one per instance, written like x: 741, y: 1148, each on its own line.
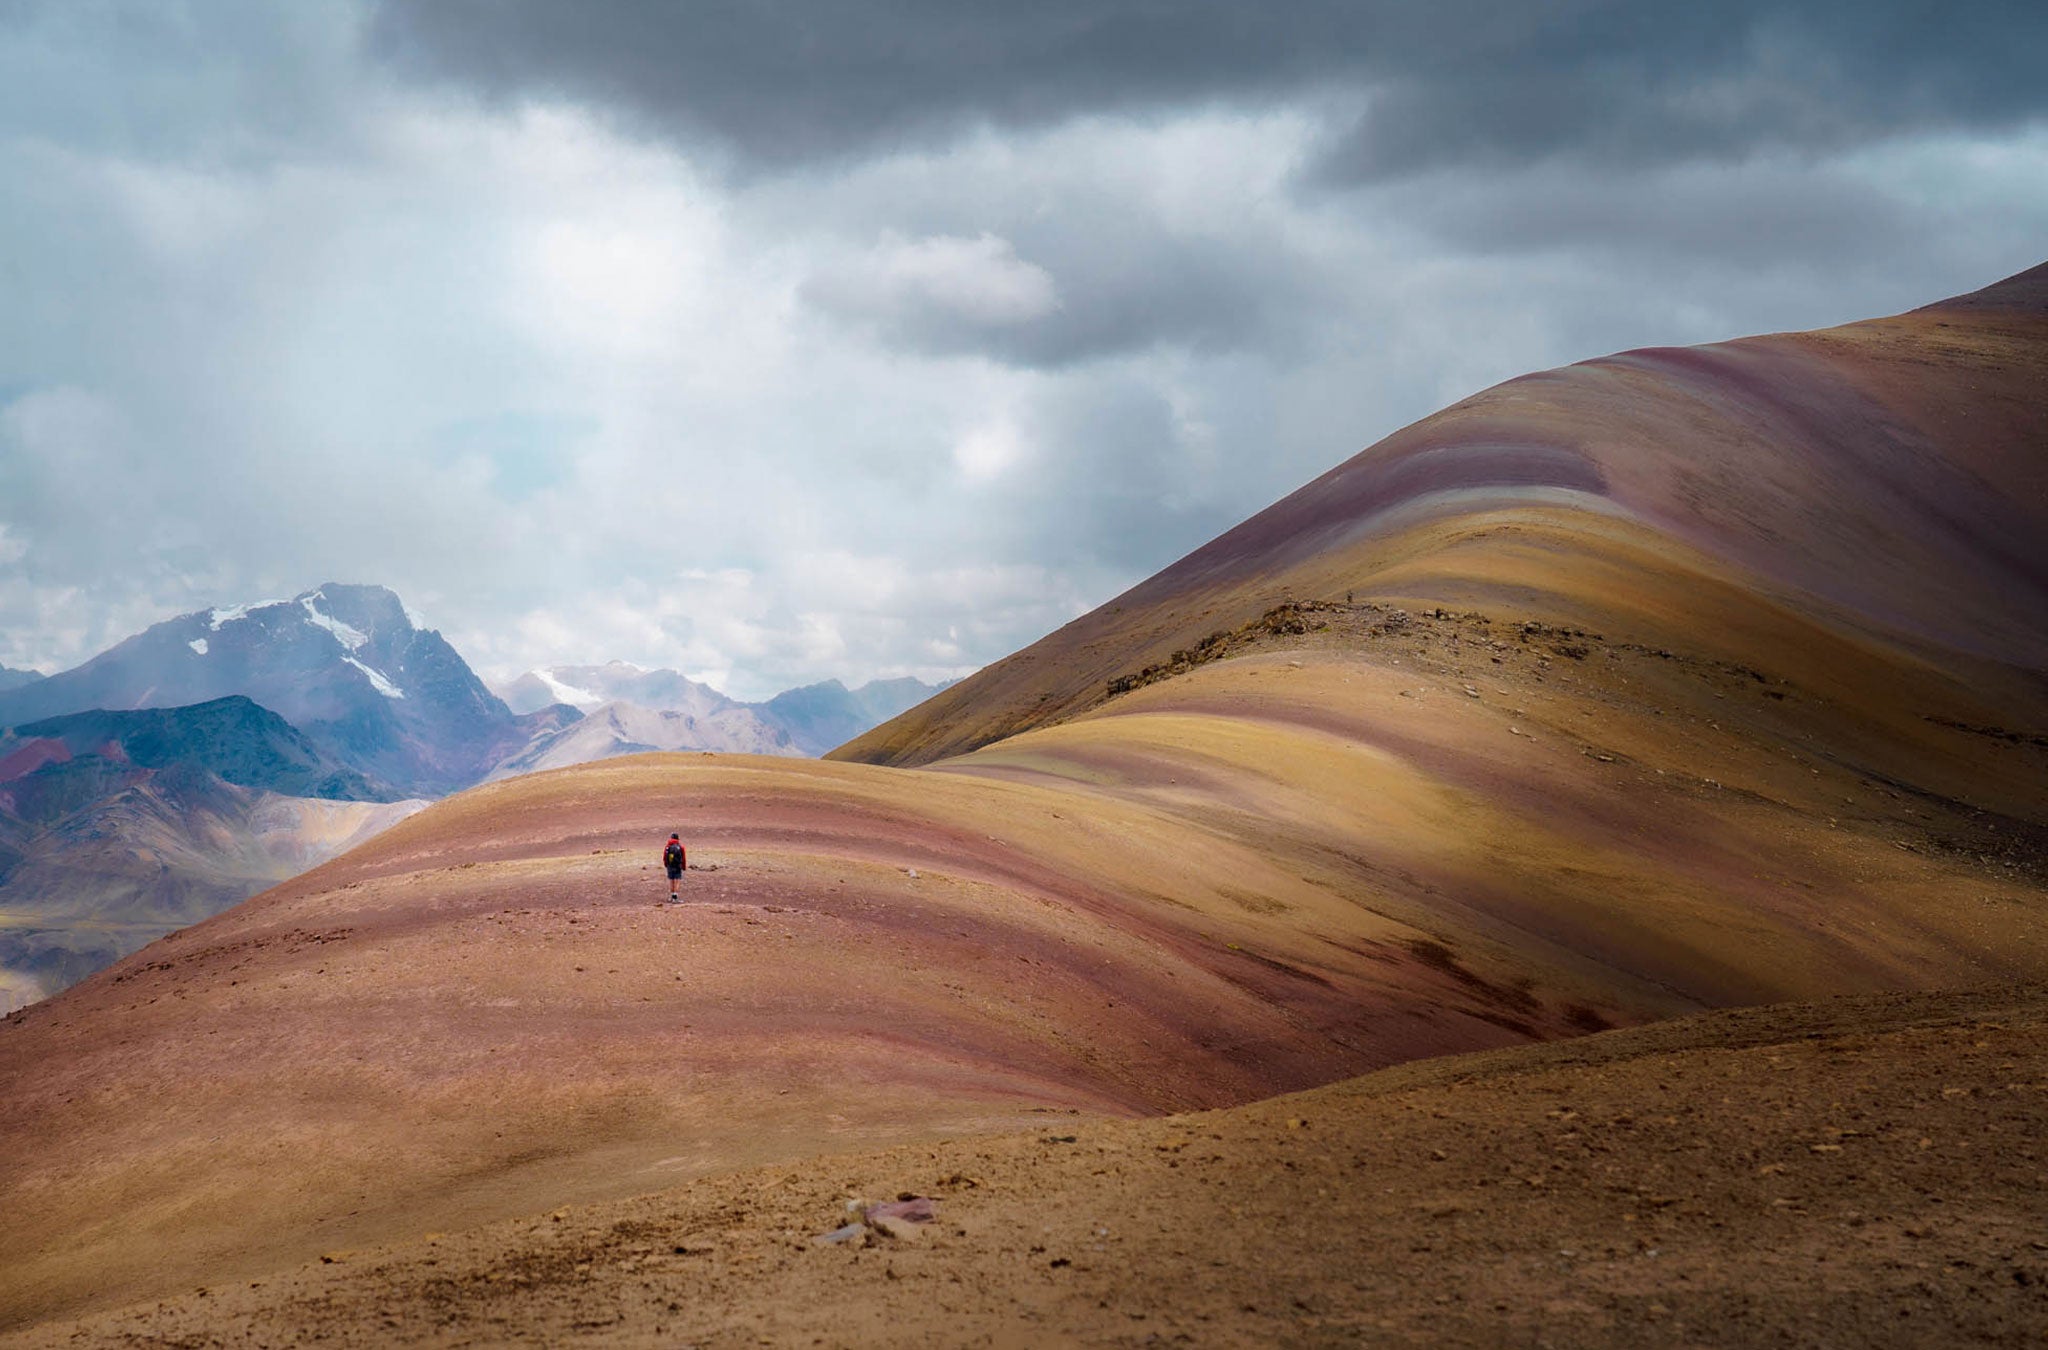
x: 822, y: 716
x: 628, y: 709
x: 223, y: 750
x: 116, y: 827
x: 232, y: 738
x: 587, y: 687
x: 374, y: 692
x: 346, y: 665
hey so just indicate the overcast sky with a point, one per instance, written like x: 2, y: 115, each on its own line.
x: 857, y: 338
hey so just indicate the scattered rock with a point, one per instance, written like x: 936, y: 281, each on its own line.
x: 908, y: 1208
x: 902, y: 1230
x: 899, y: 1220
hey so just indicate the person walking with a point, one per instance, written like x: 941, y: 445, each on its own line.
x: 674, y: 859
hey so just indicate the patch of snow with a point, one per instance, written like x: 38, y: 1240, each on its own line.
x: 198, y: 645
x: 412, y: 617
x: 568, y: 693
x: 351, y: 638
x: 377, y: 680
x: 215, y: 618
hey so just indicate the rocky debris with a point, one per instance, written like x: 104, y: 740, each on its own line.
x: 1289, y: 619
x: 898, y: 1220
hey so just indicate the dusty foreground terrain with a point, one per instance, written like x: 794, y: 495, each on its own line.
x: 1863, y: 1171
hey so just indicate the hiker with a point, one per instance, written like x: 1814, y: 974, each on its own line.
x: 674, y: 859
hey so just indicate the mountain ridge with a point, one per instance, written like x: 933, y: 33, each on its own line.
x: 233, y: 736
x: 117, y: 827
x: 344, y: 664
x: 1673, y: 428
x: 807, y: 720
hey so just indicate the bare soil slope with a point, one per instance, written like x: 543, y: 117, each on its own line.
x: 1863, y: 1172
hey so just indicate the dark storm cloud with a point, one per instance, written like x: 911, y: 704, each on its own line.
x: 1644, y: 84
x: 787, y: 83
x: 1463, y: 81
x: 1754, y: 216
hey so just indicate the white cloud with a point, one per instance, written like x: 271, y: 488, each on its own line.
x: 989, y: 451
x: 581, y: 397
x: 938, y: 279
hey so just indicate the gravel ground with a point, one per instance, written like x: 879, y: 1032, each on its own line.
x: 1857, y: 1172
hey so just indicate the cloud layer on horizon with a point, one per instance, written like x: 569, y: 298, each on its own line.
x: 881, y: 338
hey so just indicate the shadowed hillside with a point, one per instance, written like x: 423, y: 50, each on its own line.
x: 1673, y: 681
x: 117, y: 827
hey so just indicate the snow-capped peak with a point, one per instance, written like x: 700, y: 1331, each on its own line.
x: 350, y: 638
x: 217, y: 618
x: 568, y: 693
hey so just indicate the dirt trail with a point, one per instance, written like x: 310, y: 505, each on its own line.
x: 1864, y: 1171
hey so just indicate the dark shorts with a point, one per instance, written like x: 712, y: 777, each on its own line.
x: 675, y: 873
